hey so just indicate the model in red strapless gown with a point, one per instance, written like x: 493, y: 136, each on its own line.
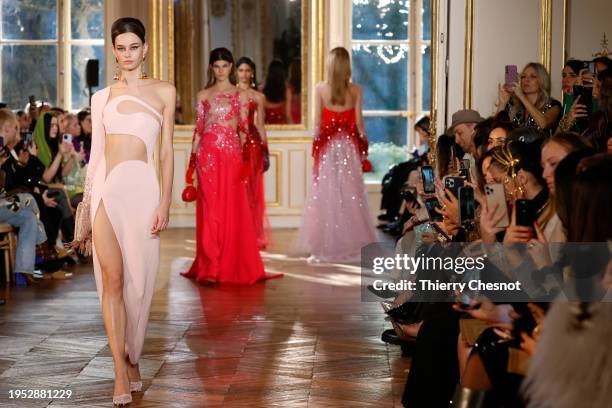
x: 336, y: 223
x: 226, y: 244
x: 254, y: 150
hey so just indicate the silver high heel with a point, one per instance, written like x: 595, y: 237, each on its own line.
x: 122, y: 399
x: 135, y: 386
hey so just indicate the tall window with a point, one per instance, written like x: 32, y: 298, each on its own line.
x: 44, y: 48
x: 390, y: 44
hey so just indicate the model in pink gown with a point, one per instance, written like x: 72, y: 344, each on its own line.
x: 337, y: 223
x: 130, y: 194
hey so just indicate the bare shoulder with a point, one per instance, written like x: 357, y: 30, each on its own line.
x: 203, y: 94
x: 166, y: 91
x: 257, y: 96
x: 355, y: 89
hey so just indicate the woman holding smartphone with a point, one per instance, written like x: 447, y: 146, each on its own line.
x: 528, y: 101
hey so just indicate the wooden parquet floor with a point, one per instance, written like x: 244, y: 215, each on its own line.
x: 305, y: 340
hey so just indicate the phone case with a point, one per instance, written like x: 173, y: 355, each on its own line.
x: 431, y: 183
x: 524, y: 216
x: 495, y: 194
x: 466, y: 205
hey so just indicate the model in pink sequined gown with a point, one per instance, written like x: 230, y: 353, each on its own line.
x: 337, y: 221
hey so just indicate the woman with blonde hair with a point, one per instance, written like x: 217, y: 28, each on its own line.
x: 337, y: 221
x: 528, y: 102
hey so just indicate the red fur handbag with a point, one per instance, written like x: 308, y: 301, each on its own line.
x: 189, y: 192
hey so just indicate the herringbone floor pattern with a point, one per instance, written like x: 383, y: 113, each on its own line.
x: 305, y: 340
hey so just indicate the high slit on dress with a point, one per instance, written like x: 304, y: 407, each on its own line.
x: 130, y: 195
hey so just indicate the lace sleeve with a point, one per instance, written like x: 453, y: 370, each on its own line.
x: 83, y: 217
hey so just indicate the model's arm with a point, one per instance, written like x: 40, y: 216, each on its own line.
x: 166, y: 156
x: 83, y: 221
x: 359, y: 112
x: 260, y: 117
x: 318, y: 108
x: 243, y: 118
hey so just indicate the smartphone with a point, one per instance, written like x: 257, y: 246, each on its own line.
x: 32, y: 101
x: 53, y: 194
x: 586, y: 96
x: 439, y: 230
x: 511, y: 72
x: 495, y: 194
x: 66, y: 138
x: 430, y: 205
x: 467, y: 206
x: 525, y: 215
x: 453, y: 183
x: 429, y: 185
x: 464, y: 169
x: 591, y: 66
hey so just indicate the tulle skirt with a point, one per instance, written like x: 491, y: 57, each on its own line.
x: 337, y: 221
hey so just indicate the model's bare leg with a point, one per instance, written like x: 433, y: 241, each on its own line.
x: 113, y: 307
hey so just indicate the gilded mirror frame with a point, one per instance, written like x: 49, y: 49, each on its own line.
x: 304, y: 30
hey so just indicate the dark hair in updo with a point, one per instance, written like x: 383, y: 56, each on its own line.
x: 128, y: 25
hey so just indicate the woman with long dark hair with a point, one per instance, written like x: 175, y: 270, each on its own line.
x: 123, y: 210
x: 599, y: 131
x: 255, y: 147
x: 226, y: 243
x: 275, y: 90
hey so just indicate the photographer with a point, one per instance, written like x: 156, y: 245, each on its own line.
x: 19, y: 210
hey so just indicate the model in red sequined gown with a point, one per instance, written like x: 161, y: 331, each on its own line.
x: 255, y: 155
x: 226, y: 244
x: 337, y: 221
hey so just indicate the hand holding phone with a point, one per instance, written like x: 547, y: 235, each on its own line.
x: 496, y: 196
x: 67, y: 138
x: 467, y: 206
x: 511, y: 75
x: 427, y: 174
x: 430, y: 205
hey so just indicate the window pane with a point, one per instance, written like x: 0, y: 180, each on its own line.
x: 382, y: 71
x: 387, y: 138
x: 29, y: 20
x: 29, y: 70
x: 380, y: 19
x: 426, y: 61
x: 426, y: 19
x: 80, y: 55
x: 87, y: 18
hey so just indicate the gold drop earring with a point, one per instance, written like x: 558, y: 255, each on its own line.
x: 143, y: 74
x: 117, y: 75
